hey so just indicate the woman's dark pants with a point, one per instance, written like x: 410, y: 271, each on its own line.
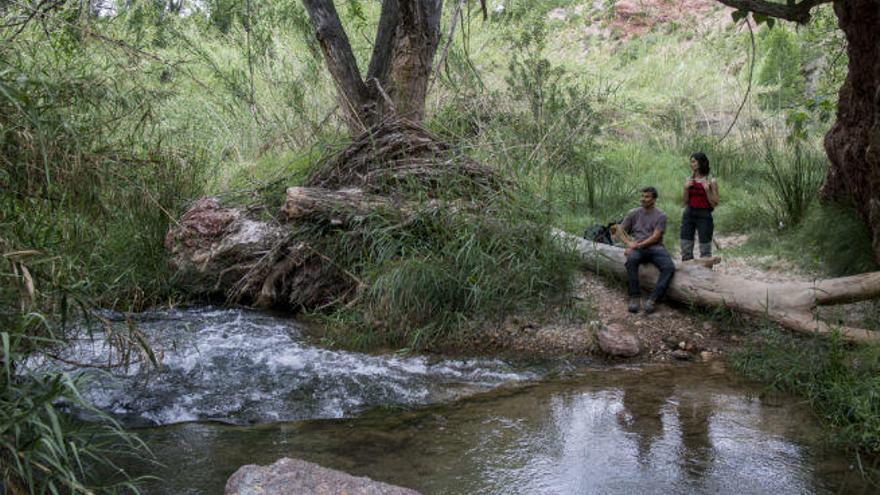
x: 699, y: 221
x: 657, y: 255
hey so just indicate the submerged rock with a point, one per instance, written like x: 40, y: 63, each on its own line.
x: 615, y: 340
x: 295, y: 476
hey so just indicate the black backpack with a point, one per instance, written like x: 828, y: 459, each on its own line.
x: 599, y: 233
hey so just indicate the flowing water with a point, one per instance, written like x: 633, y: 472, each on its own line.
x: 454, y: 426
x: 246, y: 367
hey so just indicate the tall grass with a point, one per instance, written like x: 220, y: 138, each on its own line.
x: 794, y: 174
x: 426, y: 280
x: 42, y: 448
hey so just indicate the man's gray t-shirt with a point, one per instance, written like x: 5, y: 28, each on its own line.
x: 641, y: 223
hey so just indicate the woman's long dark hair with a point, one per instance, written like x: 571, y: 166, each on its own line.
x: 702, y: 162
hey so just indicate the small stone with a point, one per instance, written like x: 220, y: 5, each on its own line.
x: 706, y: 356
x: 670, y: 341
x: 707, y: 326
x: 682, y: 344
x: 618, y: 341
x: 682, y: 355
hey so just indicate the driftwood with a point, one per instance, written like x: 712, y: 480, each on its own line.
x: 792, y: 305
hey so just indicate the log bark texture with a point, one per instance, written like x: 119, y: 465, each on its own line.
x: 249, y: 255
x: 792, y: 305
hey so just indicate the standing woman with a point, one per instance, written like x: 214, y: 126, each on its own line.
x: 700, y: 198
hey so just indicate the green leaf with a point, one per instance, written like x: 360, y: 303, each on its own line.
x: 739, y: 15
x: 759, y: 18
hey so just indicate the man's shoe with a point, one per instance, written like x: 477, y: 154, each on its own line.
x: 649, y: 306
x: 633, y: 306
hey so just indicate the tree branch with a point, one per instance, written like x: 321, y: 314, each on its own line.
x: 338, y: 54
x: 796, y: 12
x: 386, y: 31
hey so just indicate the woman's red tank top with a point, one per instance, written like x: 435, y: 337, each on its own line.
x: 697, y: 197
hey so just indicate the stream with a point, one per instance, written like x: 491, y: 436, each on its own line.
x: 238, y: 387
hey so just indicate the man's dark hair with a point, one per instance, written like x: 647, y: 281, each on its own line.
x: 652, y: 190
x: 702, y: 162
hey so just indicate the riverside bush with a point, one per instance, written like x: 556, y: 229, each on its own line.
x: 780, y: 70
x: 426, y: 279
x: 794, y: 174
x: 43, y: 449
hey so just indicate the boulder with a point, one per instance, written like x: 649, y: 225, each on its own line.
x: 615, y: 340
x: 295, y: 476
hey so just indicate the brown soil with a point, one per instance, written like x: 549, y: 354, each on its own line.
x: 672, y: 332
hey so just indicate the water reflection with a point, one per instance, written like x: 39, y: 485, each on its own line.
x: 694, y: 417
x: 657, y: 430
x: 642, y: 414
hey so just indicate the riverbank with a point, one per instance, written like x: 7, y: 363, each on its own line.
x: 671, y: 333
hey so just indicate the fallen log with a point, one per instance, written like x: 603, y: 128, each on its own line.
x: 792, y: 305
x: 303, y: 202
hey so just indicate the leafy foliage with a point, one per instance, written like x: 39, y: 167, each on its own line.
x: 43, y: 449
x: 780, y: 70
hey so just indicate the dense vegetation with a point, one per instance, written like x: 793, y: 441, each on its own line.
x: 111, y: 122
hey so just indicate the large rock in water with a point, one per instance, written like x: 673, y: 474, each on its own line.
x: 295, y: 477
x: 618, y: 341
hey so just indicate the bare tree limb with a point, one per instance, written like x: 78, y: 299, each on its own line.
x: 339, y: 57
x: 453, y: 20
x: 748, y: 89
x: 380, y: 61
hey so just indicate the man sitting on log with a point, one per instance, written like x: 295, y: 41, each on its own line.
x: 646, y: 225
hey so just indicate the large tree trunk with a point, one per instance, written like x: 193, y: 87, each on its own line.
x: 853, y: 143
x: 397, y: 77
x: 792, y: 305
x: 418, y: 33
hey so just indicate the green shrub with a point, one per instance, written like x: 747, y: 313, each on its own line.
x: 793, y: 176
x: 426, y: 279
x: 780, y: 70
x: 837, y: 239
x: 42, y: 448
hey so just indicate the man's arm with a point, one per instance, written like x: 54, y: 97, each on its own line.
x: 650, y: 241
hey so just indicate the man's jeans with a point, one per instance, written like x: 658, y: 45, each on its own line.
x: 657, y: 255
